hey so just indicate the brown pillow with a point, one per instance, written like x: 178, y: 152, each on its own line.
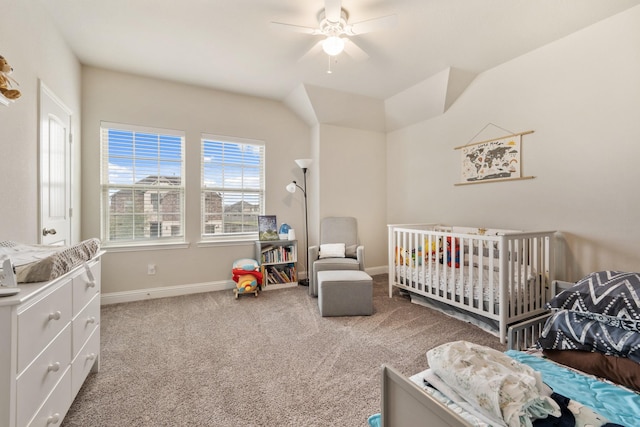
x: 620, y: 370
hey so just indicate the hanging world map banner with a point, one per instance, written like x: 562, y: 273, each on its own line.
x: 493, y: 160
x: 498, y: 159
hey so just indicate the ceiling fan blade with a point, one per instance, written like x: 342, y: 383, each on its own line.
x: 295, y: 28
x: 354, y: 51
x: 315, y: 49
x: 332, y: 10
x: 370, y: 25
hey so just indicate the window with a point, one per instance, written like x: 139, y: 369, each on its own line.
x: 232, y: 187
x: 142, y: 184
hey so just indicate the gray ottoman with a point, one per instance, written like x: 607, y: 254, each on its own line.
x: 345, y: 293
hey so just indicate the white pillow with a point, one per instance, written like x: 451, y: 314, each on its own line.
x: 332, y: 250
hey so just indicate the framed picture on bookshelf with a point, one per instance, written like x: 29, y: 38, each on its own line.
x: 267, y: 227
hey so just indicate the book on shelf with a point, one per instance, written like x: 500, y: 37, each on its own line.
x: 286, y: 274
x: 278, y: 254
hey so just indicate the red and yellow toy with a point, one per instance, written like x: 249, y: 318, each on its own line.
x: 453, y: 245
x: 247, y: 275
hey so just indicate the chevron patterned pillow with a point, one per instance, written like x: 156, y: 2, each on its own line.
x: 606, y: 296
x: 568, y: 330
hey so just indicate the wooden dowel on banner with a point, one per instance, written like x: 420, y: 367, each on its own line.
x: 495, y: 139
x: 484, y: 181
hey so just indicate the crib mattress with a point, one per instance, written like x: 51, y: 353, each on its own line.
x: 480, y: 285
x: 41, y: 263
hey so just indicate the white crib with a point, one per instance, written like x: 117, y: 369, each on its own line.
x: 500, y: 275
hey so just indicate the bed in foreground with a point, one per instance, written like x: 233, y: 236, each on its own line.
x: 603, y: 393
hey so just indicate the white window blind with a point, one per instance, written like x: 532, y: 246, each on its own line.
x: 142, y: 184
x: 232, y: 187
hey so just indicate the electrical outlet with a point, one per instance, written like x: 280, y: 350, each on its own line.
x: 151, y: 269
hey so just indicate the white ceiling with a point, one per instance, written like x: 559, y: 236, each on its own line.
x: 230, y: 44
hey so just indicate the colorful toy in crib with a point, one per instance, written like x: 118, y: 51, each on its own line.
x: 419, y: 257
x: 403, y: 257
x: 456, y: 250
x: 435, y: 251
x: 247, y: 275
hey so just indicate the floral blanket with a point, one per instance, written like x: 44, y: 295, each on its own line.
x: 500, y: 387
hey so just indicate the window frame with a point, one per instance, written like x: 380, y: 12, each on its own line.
x: 230, y: 237
x: 109, y: 187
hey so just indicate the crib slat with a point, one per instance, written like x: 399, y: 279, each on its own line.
x: 503, y: 308
x: 495, y: 267
x: 516, y: 278
x: 431, y: 253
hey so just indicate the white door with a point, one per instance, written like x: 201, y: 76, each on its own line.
x: 55, y: 170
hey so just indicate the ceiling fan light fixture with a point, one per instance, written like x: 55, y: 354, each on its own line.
x: 333, y: 45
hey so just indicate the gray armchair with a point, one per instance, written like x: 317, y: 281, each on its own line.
x: 336, y: 230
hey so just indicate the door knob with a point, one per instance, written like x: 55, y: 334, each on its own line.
x: 48, y: 231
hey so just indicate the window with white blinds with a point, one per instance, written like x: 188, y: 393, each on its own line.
x: 232, y: 187
x: 142, y: 184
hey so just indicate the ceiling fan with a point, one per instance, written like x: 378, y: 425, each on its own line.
x: 334, y: 26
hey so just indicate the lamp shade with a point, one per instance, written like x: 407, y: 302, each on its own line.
x: 303, y: 163
x: 333, y: 45
x: 291, y: 188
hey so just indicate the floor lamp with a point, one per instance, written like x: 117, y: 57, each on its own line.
x: 291, y: 188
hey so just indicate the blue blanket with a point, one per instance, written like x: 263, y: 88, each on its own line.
x: 619, y: 405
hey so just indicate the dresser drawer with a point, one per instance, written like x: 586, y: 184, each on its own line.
x: 85, y: 286
x: 38, y: 380
x: 83, y: 363
x: 55, y: 407
x: 40, y: 322
x: 84, y: 323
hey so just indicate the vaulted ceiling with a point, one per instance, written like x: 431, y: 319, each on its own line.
x: 231, y: 45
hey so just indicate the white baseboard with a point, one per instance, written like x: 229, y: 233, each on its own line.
x: 165, y: 291
x: 373, y: 271
x: 174, y: 291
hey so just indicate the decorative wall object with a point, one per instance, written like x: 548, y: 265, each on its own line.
x: 267, y: 227
x: 498, y: 159
x: 7, y: 92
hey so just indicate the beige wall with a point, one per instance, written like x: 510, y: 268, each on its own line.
x: 581, y: 96
x: 125, y: 98
x: 131, y: 99
x: 351, y: 182
x: 36, y: 51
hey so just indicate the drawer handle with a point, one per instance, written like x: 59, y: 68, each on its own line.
x: 54, y: 367
x: 91, y: 320
x: 55, y: 316
x: 91, y: 284
x: 53, y: 419
x: 91, y: 356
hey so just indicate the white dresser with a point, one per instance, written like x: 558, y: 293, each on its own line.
x: 49, y: 342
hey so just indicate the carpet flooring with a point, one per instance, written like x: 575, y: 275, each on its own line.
x: 211, y: 360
